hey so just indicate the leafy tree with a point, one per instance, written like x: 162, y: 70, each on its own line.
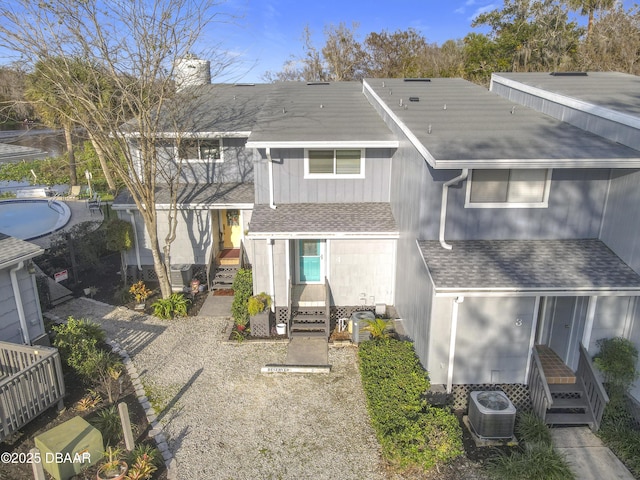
x: 399, y: 54
x: 132, y: 48
x: 588, y: 8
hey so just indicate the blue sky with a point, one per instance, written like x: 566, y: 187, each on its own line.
x: 269, y: 31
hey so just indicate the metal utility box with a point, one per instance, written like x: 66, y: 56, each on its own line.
x: 69, y: 448
x: 357, y: 323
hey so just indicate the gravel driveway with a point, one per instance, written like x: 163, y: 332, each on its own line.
x: 225, y: 420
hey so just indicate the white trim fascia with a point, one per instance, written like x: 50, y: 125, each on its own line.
x: 324, y: 235
x: 590, y: 317
x: 406, y: 130
x: 532, y: 338
x: 324, y: 144
x: 191, y: 206
x: 571, y: 102
x: 508, y: 292
x: 22, y: 258
x: 238, y: 134
x: 537, y: 163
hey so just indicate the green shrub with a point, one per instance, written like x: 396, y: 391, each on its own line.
x: 617, y: 359
x: 619, y: 433
x: 174, y: 306
x: 378, y: 328
x: 242, y: 290
x: 258, y: 303
x: 531, y: 429
x: 119, y: 235
x: 537, y: 461
x: 411, y: 433
x: 108, y: 422
x: 77, y: 340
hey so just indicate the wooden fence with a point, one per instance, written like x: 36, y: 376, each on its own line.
x: 31, y: 381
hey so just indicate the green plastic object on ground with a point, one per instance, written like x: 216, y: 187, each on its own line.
x: 69, y: 448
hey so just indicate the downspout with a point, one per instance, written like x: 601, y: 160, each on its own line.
x: 135, y: 237
x: 19, y: 306
x: 443, y: 208
x: 452, y: 341
x: 272, y: 282
x: 271, y: 202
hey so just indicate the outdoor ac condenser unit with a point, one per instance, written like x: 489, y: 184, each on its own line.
x: 491, y: 414
x: 357, y: 323
x: 180, y: 277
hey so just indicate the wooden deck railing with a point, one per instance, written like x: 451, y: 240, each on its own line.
x: 31, y: 381
x: 540, y: 394
x: 593, y: 388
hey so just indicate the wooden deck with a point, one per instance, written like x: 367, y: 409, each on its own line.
x: 32, y: 382
x: 229, y: 256
x: 554, y: 368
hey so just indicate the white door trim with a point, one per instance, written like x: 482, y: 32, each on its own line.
x: 322, y: 243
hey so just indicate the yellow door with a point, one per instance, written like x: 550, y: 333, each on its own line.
x: 231, y: 228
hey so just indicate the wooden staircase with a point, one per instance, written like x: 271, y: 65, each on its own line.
x: 570, y: 405
x: 577, y: 401
x: 223, y: 277
x: 309, y: 321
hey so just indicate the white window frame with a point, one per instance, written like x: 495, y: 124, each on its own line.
x: 333, y: 175
x: 543, y: 204
x: 199, y: 148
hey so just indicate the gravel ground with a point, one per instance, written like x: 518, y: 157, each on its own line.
x: 225, y: 420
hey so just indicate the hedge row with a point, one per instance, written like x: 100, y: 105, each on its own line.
x: 412, y: 433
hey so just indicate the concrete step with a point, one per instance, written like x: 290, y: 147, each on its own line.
x: 569, y: 419
x: 295, y: 333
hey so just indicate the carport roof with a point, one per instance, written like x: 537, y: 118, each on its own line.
x: 320, y: 220
x: 528, y: 267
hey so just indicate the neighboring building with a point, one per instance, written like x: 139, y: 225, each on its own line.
x: 20, y: 314
x: 489, y: 225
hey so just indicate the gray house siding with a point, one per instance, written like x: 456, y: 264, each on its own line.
x: 10, y: 329
x: 621, y: 224
x: 261, y: 273
x: 237, y: 165
x: 614, y: 317
x: 576, y: 203
x: 610, y: 129
x: 290, y: 186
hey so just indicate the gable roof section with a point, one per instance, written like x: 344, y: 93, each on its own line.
x: 528, y: 267
x: 456, y: 124
x: 14, y: 250
x: 316, y: 115
x: 310, y: 220
x: 197, y: 196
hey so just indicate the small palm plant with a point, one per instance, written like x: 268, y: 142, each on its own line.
x: 379, y: 328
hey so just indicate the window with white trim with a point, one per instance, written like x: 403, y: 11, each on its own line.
x: 338, y: 163
x: 508, y: 188
x: 201, y: 150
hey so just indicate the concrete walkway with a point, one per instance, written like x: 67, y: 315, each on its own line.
x: 589, y: 458
x: 216, y: 306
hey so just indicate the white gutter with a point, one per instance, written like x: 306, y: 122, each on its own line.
x: 272, y: 290
x: 271, y: 204
x: 443, y: 208
x: 20, y: 307
x: 135, y: 238
x: 452, y: 341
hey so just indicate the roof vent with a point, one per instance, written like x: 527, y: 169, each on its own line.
x: 417, y: 79
x: 318, y: 83
x: 568, y: 74
x: 244, y: 84
x: 414, y: 99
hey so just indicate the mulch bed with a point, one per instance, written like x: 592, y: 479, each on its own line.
x: 23, y: 440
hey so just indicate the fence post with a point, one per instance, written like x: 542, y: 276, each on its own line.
x: 126, y: 426
x: 36, y: 467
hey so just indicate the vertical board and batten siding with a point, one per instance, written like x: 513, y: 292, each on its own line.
x: 610, y: 129
x: 614, y: 317
x: 237, y: 165
x: 290, y: 186
x: 357, y: 267
x: 621, y: 222
x: 576, y: 202
x: 260, y: 263
x: 193, y: 238
x: 10, y: 329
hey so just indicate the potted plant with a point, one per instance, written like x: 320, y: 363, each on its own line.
x: 113, y: 468
x: 140, y: 291
x: 258, y: 308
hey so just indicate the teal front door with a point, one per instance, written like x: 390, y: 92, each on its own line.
x: 310, y: 258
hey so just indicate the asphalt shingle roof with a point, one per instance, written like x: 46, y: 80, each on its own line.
x: 527, y: 265
x: 300, y: 218
x: 464, y: 125
x: 13, y: 249
x: 197, y: 194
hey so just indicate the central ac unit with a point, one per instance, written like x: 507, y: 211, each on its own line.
x: 491, y: 414
x: 356, y: 325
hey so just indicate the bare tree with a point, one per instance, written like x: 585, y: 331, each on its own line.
x: 132, y: 47
x: 343, y: 54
